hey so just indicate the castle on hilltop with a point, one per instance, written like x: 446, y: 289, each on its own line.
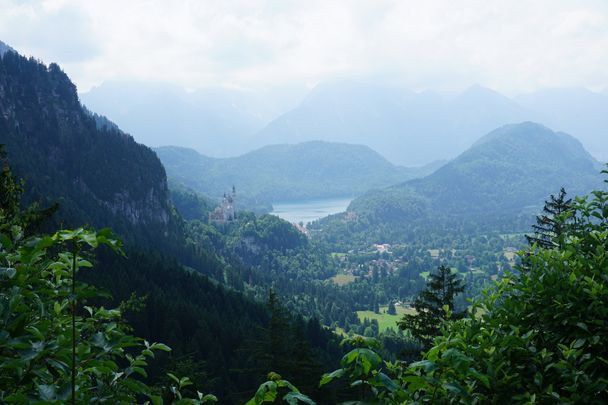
x: 226, y: 212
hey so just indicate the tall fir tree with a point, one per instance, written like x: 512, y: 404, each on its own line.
x: 550, y: 225
x: 441, y: 289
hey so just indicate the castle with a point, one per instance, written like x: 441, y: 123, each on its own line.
x: 226, y: 211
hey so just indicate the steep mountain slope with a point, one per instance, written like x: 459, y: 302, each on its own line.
x: 509, y: 172
x: 100, y: 177
x: 407, y: 128
x: 577, y: 111
x: 286, y: 172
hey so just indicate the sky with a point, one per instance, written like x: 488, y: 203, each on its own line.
x: 512, y: 46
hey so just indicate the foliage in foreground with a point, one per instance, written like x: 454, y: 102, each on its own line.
x: 537, y: 336
x: 54, y: 348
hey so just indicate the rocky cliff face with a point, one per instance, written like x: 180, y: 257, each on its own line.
x: 100, y: 177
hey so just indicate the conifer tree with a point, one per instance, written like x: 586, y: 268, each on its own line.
x: 441, y: 289
x: 550, y: 225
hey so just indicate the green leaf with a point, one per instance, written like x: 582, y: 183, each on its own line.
x: 46, y: 392
x: 156, y: 399
x: 327, y: 378
x: 160, y: 346
x: 184, y: 382
x: 173, y: 377
x: 578, y: 343
x: 426, y: 365
x: 382, y: 380
x: 208, y: 398
x: 292, y: 398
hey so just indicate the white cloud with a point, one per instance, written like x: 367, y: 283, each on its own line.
x: 512, y: 46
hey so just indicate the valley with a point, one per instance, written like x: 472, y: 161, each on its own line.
x: 429, y: 248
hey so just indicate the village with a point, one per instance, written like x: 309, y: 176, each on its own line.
x: 383, y: 259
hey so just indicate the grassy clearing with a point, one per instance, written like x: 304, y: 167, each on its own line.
x: 343, y: 279
x: 385, y: 320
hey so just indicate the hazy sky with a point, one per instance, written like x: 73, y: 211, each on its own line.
x: 511, y: 45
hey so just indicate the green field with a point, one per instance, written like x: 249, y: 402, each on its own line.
x: 385, y: 320
x: 343, y: 279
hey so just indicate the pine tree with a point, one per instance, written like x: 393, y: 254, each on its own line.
x: 550, y: 225
x: 441, y: 289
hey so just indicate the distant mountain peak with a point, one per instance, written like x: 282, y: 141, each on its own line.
x: 477, y: 91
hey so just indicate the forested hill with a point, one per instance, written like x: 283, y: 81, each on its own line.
x: 510, y: 171
x: 287, y: 172
x: 100, y: 177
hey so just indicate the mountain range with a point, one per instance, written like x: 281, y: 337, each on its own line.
x: 408, y: 128
x: 287, y: 172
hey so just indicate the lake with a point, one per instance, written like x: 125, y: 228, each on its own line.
x: 309, y: 210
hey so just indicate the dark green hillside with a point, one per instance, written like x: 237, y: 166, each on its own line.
x: 498, y: 183
x: 510, y: 168
x: 100, y: 177
x: 287, y: 172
